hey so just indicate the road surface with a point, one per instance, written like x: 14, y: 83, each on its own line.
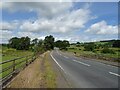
x: 86, y: 73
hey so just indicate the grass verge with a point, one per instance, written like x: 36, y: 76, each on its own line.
x: 50, y: 76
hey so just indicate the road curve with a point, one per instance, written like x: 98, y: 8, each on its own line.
x: 86, y: 73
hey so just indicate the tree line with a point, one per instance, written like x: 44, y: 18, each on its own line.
x: 25, y: 43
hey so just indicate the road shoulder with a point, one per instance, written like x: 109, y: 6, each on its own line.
x: 61, y: 80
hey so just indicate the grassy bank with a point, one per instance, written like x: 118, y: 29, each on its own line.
x: 49, y: 74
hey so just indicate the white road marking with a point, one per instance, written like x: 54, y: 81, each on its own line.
x: 81, y: 63
x: 58, y: 52
x: 57, y: 62
x: 114, y: 74
x: 65, y: 56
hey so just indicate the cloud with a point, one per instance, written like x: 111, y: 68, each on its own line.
x: 102, y: 28
x: 31, y: 35
x: 6, y: 34
x: 63, y: 23
x: 44, y: 9
x: 53, y: 17
x: 61, y: 20
x: 8, y: 25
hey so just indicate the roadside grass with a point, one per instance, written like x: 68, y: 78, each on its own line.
x: 49, y: 74
x: 97, y: 52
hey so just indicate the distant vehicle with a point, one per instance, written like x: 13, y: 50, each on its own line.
x: 55, y: 48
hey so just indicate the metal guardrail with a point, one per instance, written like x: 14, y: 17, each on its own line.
x: 22, y: 61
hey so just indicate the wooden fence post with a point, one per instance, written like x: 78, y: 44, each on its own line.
x: 13, y: 65
x: 26, y: 61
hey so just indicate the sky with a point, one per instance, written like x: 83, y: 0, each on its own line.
x: 72, y: 21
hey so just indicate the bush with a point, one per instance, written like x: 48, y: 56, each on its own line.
x: 107, y: 50
x: 89, y: 47
x: 77, y: 45
x: 94, y: 51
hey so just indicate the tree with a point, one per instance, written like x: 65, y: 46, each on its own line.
x: 13, y: 42
x: 49, y: 42
x: 40, y: 43
x: 34, y: 41
x: 78, y: 43
x: 58, y: 44
x: 39, y: 48
x: 62, y: 44
x: 116, y: 43
x: 22, y: 43
x: 65, y: 44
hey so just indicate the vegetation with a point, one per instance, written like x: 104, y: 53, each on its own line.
x: 108, y: 50
x: 116, y: 43
x: 49, y: 74
x: 62, y: 44
x: 49, y: 42
x: 19, y: 47
x: 22, y: 43
x: 89, y: 47
x: 10, y: 53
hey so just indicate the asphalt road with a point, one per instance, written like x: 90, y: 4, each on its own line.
x: 86, y: 73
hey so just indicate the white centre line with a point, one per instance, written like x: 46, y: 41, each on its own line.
x: 58, y: 53
x: 114, y: 74
x: 81, y: 63
x: 65, y: 56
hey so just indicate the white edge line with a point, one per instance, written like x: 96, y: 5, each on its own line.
x: 57, y: 62
x: 81, y: 63
x: 114, y: 74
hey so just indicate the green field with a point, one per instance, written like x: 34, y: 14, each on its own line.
x: 80, y: 52
x: 9, y: 54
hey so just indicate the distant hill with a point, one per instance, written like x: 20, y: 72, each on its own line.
x: 109, y: 40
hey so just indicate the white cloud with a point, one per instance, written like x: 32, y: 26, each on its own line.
x: 44, y: 9
x: 102, y: 28
x: 53, y: 17
x: 24, y: 34
x: 8, y: 25
x: 6, y: 34
x: 69, y: 22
